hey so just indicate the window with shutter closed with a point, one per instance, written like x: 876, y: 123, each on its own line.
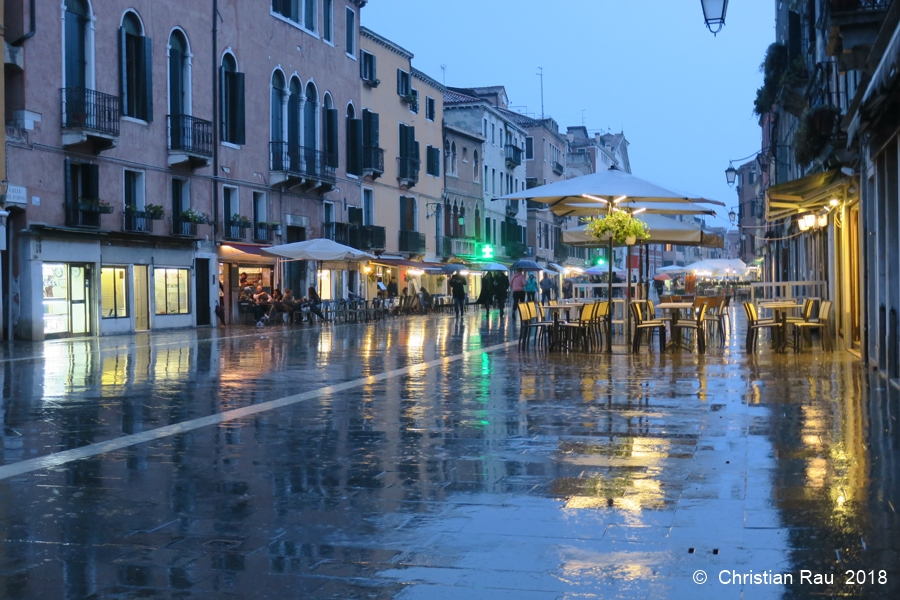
x: 354, y: 146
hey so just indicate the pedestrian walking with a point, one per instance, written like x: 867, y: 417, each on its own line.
x: 501, y: 290
x: 458, y: 289
x: 517, y: 284
x: 546, y: 289
x: 531, y: 287
x: 486, y: 297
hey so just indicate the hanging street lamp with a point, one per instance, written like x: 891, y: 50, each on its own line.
x: 714, y: 14
x: 730, y: 174
x: 732, y: 216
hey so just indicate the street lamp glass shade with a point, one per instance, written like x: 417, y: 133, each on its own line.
x: 809, y: 221
x: 732, y: 216
x: 730, y: 174
x: 714, y: 14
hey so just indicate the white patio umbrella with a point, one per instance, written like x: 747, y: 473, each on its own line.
x: 662, y: 229
x: 321, y: 250
x: 672, y: 269
x: 605, y: 191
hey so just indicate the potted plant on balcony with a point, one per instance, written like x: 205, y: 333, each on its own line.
x: 621, y: 226
x: 155, y: 212
x: 94, y: 205
x: 191, y: 216
x: 239, y: 220
x: 270, y: 225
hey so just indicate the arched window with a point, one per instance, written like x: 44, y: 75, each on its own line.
x: 453, y: 158
x: 476, y: 172
x: 77, y: 17
x: 232, y: 101
x: 330, y: 132
x: 179, y: 75
x: 354, y: 142
x: 477, y: 217
x: 447, y: 158
x: 461, y: 221
x: 276, y: 123
x: 135, y: 67
x: 310, y: 131
x: 448, y: 217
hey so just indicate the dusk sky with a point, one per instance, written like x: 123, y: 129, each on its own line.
x: 650, y: 68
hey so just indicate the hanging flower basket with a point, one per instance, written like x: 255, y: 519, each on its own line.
x: 98, y: 206
x: 194, y: 217
x: 622, y: 227
x: 155, y: 212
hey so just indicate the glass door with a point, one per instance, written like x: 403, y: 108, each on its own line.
x: 79, y: 305
x: 141, y: 299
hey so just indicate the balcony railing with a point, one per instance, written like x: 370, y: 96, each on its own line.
x: 513, y: 156
x: 78, y: 216
x: 515, y: 249
x: 408, y: 170
x: 558, y: 168
x: 183, y: 228
x: 412, y: 242
x: 190, y: 134
x: 138, y: 221
x: 262, y: 233
x: 512, y: 208
x: 234, y: 231
x: 88, y: 109
x: 338, y: 232
x: 457, y: 246
x: 367, y: 237
x: 373, y: 161
x: 561, y: 252
x: 848, y: 5
x: 300, y: 160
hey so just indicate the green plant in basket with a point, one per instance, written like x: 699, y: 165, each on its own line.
x: 621, y: 226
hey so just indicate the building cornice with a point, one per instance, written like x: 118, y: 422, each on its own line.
x: 465, y: 133
x: 429, y: 80
x: 383, y: 41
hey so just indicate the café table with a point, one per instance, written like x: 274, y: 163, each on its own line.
x: 675, y: 309
x: 779, y: 309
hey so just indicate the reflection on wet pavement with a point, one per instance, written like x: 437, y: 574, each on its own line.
x: 497, y: 474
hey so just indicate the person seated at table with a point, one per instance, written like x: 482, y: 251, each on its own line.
x: 246, y: 294
x: 262, y: 303
x: 425, y: 299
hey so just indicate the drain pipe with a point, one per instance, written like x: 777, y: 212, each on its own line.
x: 31, y: 33
x: 216, y: 124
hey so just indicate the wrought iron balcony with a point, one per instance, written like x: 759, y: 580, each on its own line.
x: 412, y: 242
x: 338, y: 232
x: 513, y: 156
x: 181, y: 227
x: 138, y: 221
x: 408, y: 170
x: 457, y: 246
x: 88, y: 115
x: 234, y: 230
x: 190, y: 140
x: 262, y: 233
x: 558, y: 168
x: 512, y: 208
x: 561, y: 252
x: 515, y: 249
x: 367, y: 237
x: 80, y: 215
x: 295, y: 165
x: 373, y: 162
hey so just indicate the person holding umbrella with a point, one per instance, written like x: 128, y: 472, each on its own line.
x: 546, y: 287
x: 458, y: 288
x: 487, y: 290
x: 517, y: 283
x: 501, y: 289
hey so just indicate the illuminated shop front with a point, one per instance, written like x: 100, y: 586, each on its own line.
x: 66, y: 299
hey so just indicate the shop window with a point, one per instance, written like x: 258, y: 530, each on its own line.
x: 170, y: 288
x: 113, y: 298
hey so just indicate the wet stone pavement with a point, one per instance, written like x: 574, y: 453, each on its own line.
x: 428, y: 458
